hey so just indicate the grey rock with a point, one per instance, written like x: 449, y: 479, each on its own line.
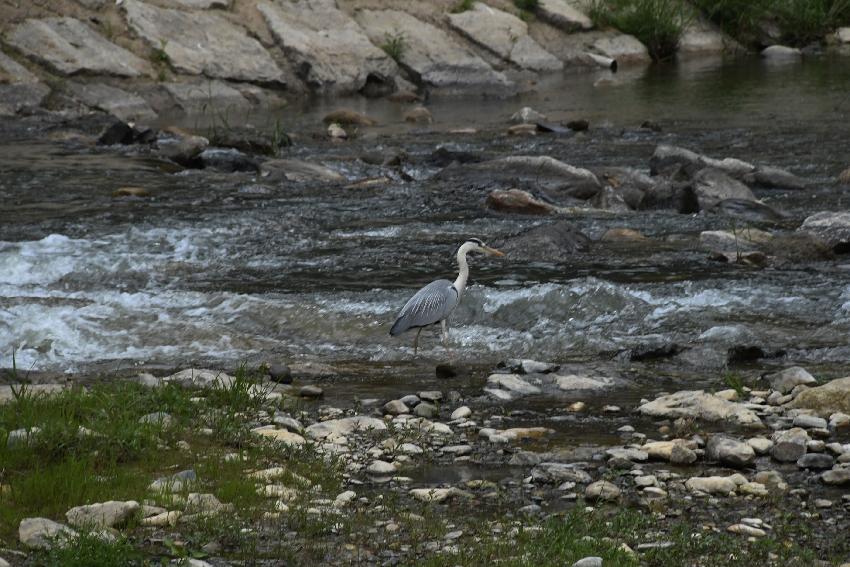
x: 426, y: 410
x: 333, y: 53
x: 810, y: 422
x: 461, y: 413
x: 457, y: 450
x: 781, y: 53
x: 505, y: 35
x: 667, y: 157
x: 526, y: 366
x: 772, y: 480
x: 512, y: 383
x: 682, y: 455
x: 831, y: 227
x: 530, y: 510
x: 563, y: 15
x: 827, y: 399
x: 102, y: 515
x: 227, y: 53
x: 588, y: 561
x: 195, y: 98
x: 174, y: 483
x: 41, y: 533
x: 701, y: 405
x: 836, y: 477
x: 160, y: 418
x: 774, y: 178
x: 183, y: 150
x: 300, y: 171
x: 431, y: 55
x: 411, y: 400
x: 551, y: 242
x: 786, y: 380
x: 204, y: 503
x: 815, y: 461
x: 199, y: 378
x: 729, y: 451
x: 311, y: 391
x: 345, y: 426
x: 789, y: 445
x: 381, y: 468
x: 280, y: 373
x: 572, y: 382
x: 20, y: 90
x: 431, y: 396
x: 288, y: 423
x: 711, y: 185
x: 602, y: 490
x: 395, y: 407
x: 69, y: 47
x: 22, y: 436
x: 622, y: 48
x: 120, y: 103
x: 711, y: 485
x: 556, y: 473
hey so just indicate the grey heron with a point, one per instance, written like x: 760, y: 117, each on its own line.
x: 435, y: 302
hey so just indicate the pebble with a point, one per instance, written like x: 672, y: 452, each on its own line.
x: 823, y: 503
x: 426, y: 409
x: 815, y: 461
x: 432, y: 396
x: 381, y: 468
x: 810, y: 422
x: 410, y: 400
x: 760, y: 445
x: 729, y: 451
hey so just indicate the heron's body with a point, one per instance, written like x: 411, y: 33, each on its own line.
x: 435, y: 302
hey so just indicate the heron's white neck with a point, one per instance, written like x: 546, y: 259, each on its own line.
x: 463, y: 274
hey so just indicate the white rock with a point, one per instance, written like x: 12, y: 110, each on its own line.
x: 723, y: 486
x: 41, y: 533
x: 381, y: 468
x: 437, y: 494
x: 744, y: 529
x: 788, y: 379
x: 781, y: 52
x: 102, y: 515
x: 461, y: 413
x: 344, y: 426
x: 512, y: 383
x: 699, y: 404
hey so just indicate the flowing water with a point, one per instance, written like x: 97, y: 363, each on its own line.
x: 218, y: 268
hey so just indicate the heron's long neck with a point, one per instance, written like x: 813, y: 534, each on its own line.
x: 463, y: 274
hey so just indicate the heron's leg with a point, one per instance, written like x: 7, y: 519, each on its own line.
x: 445, y: 335
x: 416, y: 341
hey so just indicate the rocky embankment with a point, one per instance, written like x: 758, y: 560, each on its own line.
x: 136, y: 59
x: 735, y: 461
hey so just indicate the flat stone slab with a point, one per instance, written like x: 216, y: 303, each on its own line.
x: 563, y: 14
x: 203, y: 43
x: 331, y: 52
x: 12, y: 72
x: 120, y: 103
x: 69, y: 47
x: 505, y: 35
x: 194, y: 97
x: 429, y: 53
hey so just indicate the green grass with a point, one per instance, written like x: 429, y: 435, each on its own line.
x: 527, y: 5
x: 658, y: 24
x: 800, y: 21
x: 463, y: 6
x: 394, y: 45
x: 89, y: 550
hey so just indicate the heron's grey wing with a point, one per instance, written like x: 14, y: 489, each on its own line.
x: 429, y: 305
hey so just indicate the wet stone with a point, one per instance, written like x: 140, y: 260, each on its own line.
x: 395, y: 407
x: 810, y: 422
x: 311, y: 391
x: 602, y: 490
x: 426, y: 410
x: 410, y: 400
x: 462, y: 412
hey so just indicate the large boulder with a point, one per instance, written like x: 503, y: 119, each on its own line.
x: 70, y: 47
x: 117, y: 102
x: 505, y: 35
x: 20, y: 90
x: 102, y: 515
x: 429, y: 53
x: 553, y: 242
x: 711, y: 185
x: 41, y: 533
x: 788, y: 379
x: 700, y: 405
x: 330, y: 51
x: 664, y: 157
x: 832, y: 397
x: 831, y: 227
x: 203, y: 43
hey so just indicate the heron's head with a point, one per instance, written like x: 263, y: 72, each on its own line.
x: 475, y: 245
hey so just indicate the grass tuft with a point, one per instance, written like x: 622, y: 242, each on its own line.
x: 394, y: 45
x: 463, y: 6
x: 91, y: 550
x: 658, y: 24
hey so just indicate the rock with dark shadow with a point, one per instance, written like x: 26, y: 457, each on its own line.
x: 551, y: 242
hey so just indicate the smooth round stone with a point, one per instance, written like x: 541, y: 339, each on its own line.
x: 461, y: 413
x: 819, y: 461
x: 410, y: 400
x: 311, y: 391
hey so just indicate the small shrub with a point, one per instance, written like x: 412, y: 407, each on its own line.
x: 527, y: 5
x: 394, y: 45
x: 91, y: 550
x: 463, y: 6
x: 658, y: 24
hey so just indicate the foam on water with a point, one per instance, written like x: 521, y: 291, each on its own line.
x: 68, y: 302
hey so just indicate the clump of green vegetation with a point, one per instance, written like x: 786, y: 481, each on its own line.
x: 463, y: 6
x: 394, y: 45
x: 90, y: 549
x: 527, y: 5
x: 800, y: 22
x: 658, y: 24
x: 734, y: 381
x: 160, y: 60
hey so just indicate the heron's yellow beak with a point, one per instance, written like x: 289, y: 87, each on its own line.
x: 492, y: 251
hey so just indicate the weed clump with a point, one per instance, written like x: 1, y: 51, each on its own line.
x: 394, y: 45
x: 658, y: 24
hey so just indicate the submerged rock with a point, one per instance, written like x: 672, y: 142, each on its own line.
x: 552, y: 242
